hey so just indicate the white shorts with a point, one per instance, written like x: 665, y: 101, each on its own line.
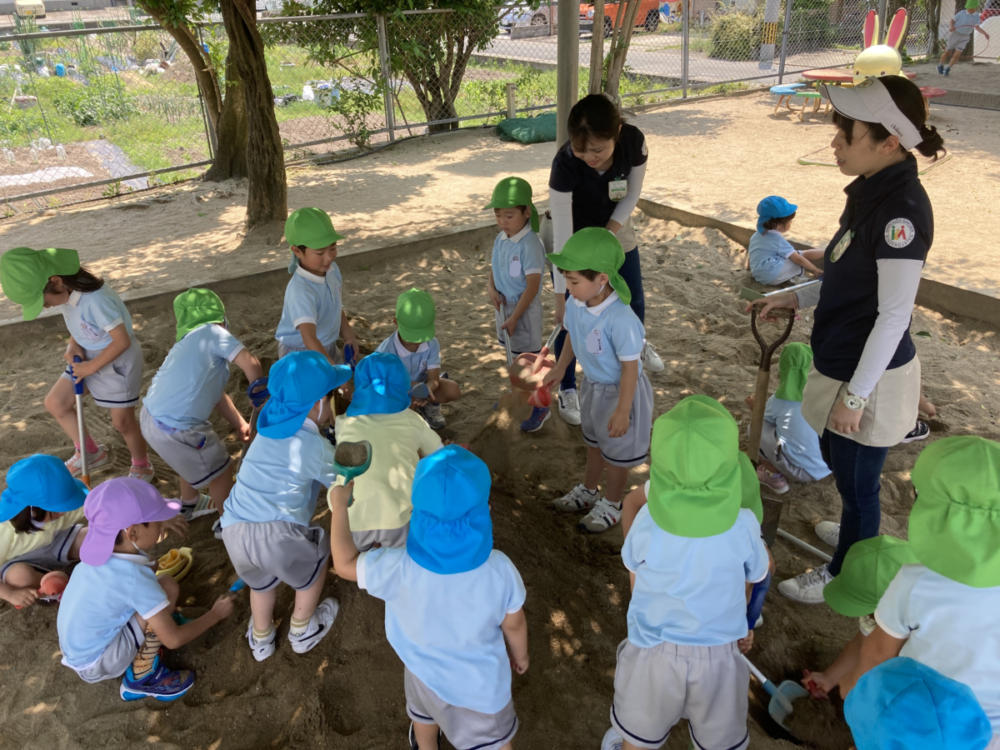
x: 53, y: 556
x: 528, y: 331
x: 273, y: 552
x: 332, y: 350
x: 365, y: 540
x: 117, y: 657
x: 116, y: 385
x: 598, y: 402
x: 197, y: 454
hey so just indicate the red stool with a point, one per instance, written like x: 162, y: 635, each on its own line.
x: 931, y: 92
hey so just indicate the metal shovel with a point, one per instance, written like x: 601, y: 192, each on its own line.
x: 81, y: 427
x: 782, y: 696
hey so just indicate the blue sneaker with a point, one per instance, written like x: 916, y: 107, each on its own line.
x: 940, y: 68
x: 160, y: 683
x: 947, y: 71
x: 536, y: 420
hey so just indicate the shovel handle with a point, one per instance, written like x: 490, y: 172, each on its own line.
x: 506, y: 343
x: 767, y: 350
x: 763, y: 381
x: 77, y: 386
x: 766, y: 683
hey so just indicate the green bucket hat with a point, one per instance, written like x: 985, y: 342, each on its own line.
x: 695, y: 477
x: 867, y: 571
x: 512, y: 192
x: 971, y: 4
x: 195, y: 308
x: 793, y: 368
x: 25, y: 272
x: 594, y: 249
x: 955, y: 522
x: 415, y: 315
x: 750, y: 486
x: 311, y: 227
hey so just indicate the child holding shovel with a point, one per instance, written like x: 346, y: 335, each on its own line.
x: 414, y: 342
x: 267, y: 525
x: 516, y: 276
x: 616, y: 400
x: 100, y: 329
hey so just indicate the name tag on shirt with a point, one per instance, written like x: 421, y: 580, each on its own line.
x: 514, y: 269
x: 617, y: 189
x: 595, y: 343
x: 841, y: 247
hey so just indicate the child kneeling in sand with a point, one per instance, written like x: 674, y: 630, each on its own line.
x: 691, y: 551
x: 189, y: 385
x: 380, y: 413
x: 267, y: 524
x: 415, y: 343
x: 450, y: 601
x: 115, y: 613
x: 41, y: 526
x: 616, y: 400
x: 772, y: 259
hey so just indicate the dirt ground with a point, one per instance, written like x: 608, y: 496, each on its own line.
x: 980, y: 77
x: 347, y: 693
x: 717, y: 157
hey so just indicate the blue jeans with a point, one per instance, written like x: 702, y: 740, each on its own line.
x: 631, y: 271
x: 857, y: 470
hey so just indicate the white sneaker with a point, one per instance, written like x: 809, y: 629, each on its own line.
x: 829, y: 532
x: 261, y: 649
x: 569, y: 406
x: 319, y: 625
x: 612, y: 740
x: 651, y: 361
x: 578, y: 498
x: 602, y: 517
x: 808, y: 587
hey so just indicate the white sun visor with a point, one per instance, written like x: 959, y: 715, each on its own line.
x: 870, y: 101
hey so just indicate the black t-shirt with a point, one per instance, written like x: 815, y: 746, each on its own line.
x: 592, y: 204
x: 889, y: 216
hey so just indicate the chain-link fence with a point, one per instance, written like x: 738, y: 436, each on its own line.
x: 109, y: 105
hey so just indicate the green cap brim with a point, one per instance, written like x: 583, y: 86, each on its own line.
x: 844, y: 601
x: 324, y: 241
x: 563, y: 263
x: 34, y: 309
x: 417, y: 335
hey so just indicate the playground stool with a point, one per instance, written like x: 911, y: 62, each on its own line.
x: 931, y: 92
x: 816, y: 97
x: 785, y: 92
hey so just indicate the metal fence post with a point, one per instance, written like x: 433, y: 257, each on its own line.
x: 685, y: 45
x: 383, y: 56
x: 511, y: 101
x: 784, y: 42
x: 881, y: 15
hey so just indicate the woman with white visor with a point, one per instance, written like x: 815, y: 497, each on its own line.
x: 864, y: 385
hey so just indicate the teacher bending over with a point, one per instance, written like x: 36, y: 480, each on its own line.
x: 596, y: 180
x: 864, y: 386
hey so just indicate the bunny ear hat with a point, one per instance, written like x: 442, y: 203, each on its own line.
x: 878, y: 60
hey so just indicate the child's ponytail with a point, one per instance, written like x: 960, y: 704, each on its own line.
x: 932, y: 145
x: 82, y: 281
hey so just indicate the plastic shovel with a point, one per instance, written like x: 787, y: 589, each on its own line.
x: 258, y: 394
x: 351, y: 460
x: 782, y: 696
x: 81, y: 427
x: 529, y: 370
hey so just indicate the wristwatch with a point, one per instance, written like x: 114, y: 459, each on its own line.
x: 854, y: 403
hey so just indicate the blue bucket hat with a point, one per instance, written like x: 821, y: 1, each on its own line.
x: 450, y: 529
x: 296, y: 383
x: 904, y: 705
x: 381, y: 386
x: 773, y: 207
x: 42, y: 482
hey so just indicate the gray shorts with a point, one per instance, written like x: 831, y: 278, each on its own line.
x: 365, y: 540
x: 657, y: 687
x: 528, y: 331
x: 957, y: 42
x: 598, y: 402
x: 771, y: 450
x: 118, y: 656
x: 116, y: 385
x: 197, y: 455
x: 266, y: 554
x: 53, y: 556
x: 332, y: 350
x: 463, y: 727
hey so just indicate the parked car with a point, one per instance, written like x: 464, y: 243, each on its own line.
x: 647, y: 18
x: 522, y: 16
x: 29, y: 8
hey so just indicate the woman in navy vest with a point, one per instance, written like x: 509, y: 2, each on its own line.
x: 864, y: 386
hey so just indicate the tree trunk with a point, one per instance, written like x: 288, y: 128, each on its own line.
x: 268, y: 192
x: 231, y: 149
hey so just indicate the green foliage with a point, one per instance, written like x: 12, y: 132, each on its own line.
x: 103, y: 100
x: 146, y: 46
x: 810, y: 28
x: 353, y: 110
x: 735, y: 36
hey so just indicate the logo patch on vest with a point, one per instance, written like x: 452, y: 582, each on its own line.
x: 899, y: 233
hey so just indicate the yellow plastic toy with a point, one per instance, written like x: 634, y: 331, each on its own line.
x: 878, y: 60
x: 176, y: 563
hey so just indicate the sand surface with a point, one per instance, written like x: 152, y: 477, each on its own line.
x: 348, y: 693
x: 717, y: 157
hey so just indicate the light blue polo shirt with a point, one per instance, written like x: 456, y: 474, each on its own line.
x: 514, y: 259
x: 311, y: 299
x: 949, y: 627
x: 768, y: 253
x: 90, y: 317
x: 603, y: 337
x: 278, y: 479
x: 446, y: 628
x: 426, y: 357
x: 966, y: 23
x: 799, y: 442
x: 99, y: 600
x: 691, y: 592
x: 193, y: 377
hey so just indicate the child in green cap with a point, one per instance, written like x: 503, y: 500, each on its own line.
x: 942, y: 612
x: 692, y: 551
x: 414, y: 342
x: 188, y: 387
x: 313, y: 315
x: 101, y: 335
x: 960, y: 27
x: 516, y: 276
x: 616, y: 399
